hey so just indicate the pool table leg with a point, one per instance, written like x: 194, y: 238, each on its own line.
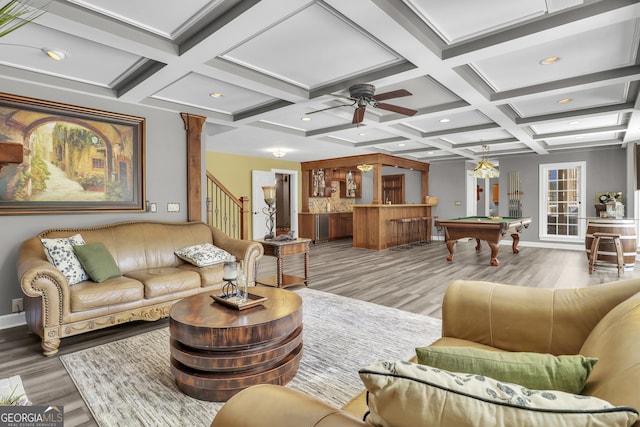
x: 450, y: 246
x: 478, y: 245
x: 495, y: 247
x: 514, y: 245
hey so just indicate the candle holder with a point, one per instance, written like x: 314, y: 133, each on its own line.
x: 229, y: 274
x: 235, y: 290
x: 270, y: 210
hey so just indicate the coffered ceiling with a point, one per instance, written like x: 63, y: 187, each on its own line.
x: 474, y: 68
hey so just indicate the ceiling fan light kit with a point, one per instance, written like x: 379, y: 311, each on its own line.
x: 365, y: 167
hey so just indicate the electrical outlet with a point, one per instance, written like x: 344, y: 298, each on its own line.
x: 153, y: 207
x: 173, y: 207
x: 16, y: 305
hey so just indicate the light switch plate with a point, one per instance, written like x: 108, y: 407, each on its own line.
x: 153, y: 207
x: 173, y: 207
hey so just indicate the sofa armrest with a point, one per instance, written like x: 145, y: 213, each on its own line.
x: 39, y: 278
x: 280, y: 406
x: 244, y: 250
x: 521, y: 318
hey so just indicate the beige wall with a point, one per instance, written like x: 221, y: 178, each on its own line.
x: 234, y: 172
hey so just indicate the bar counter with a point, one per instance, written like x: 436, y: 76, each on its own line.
x: 373, y: 228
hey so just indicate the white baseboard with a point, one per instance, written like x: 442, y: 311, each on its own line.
x: 11, y: 320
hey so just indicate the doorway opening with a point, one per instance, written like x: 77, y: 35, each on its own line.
x: 286, y: 182
x: 283, y: 202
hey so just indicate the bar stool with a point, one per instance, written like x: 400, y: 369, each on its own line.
x: 419, y: 226
x: 595, y: 246
x: 403, y: 228
x: 426, y: 220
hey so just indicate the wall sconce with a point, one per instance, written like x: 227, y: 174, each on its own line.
x: 270, y: 211
x: 365, y: 167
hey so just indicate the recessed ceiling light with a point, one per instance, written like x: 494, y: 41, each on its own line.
x: 565, y: 101
x: 549, y: 60
x: 362, y: 134
x: 579, y: 137
x: 216, y: 95
x: 429, y: 152
x: 445, y: 120
x: 306, y: 119
x: 575, y: 122
x: 402, y: 144
x: 55, y: 54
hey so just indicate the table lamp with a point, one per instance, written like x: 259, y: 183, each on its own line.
x: 270, y: 210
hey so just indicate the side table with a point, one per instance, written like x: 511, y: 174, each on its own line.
x: 281, y: 249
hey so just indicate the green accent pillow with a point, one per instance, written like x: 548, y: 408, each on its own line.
x: 97, y: 261
x: 532, y: 370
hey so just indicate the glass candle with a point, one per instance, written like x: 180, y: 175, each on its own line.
x: 229, y: 271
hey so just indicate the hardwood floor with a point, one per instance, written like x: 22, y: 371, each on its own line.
x: 412, y: 280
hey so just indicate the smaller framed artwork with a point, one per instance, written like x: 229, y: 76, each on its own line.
x: 74, y: 159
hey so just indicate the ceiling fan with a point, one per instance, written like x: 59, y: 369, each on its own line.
x: 363, y: 94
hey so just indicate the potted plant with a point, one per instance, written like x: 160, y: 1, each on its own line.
x: 13, y: 399
x: 15, y: 14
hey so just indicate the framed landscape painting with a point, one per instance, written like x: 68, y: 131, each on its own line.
x: 74, y: 159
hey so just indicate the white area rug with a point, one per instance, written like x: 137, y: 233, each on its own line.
x: 129, y: 382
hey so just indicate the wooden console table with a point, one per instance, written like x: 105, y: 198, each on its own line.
x: 281, y: 249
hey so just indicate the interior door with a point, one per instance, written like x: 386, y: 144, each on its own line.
x: 258, y: 180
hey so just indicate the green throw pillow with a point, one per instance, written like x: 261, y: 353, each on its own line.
x: 532, y: 370
x: 97, y: 261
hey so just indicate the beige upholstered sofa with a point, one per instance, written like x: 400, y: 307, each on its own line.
x: 600, y: 321
x: 153, y: 277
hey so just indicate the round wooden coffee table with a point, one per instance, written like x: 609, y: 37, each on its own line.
x: 217, y: 350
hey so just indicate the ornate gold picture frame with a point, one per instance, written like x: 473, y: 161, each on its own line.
x: 74, y: 159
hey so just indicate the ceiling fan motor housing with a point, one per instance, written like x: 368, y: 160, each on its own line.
x: 362, y: 91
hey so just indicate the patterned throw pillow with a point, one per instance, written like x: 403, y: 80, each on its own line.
x: 203, y: 255
x: 60, y: 253
x: 403, y: 394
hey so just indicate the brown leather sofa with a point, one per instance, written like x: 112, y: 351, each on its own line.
x: 153, y: 277
x: 600, y: 321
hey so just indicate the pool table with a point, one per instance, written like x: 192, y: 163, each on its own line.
x: 491, y: 229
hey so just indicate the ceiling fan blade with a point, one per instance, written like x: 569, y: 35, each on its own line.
x: 396, y: 109
x: 393, y: 94
x: 358, y: 115
x: 328, y: 108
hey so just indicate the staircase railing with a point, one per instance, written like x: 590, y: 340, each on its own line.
x: 225, y: 211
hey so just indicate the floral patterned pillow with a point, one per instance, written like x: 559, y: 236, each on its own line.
x: 203, y: 255
x: 403, y: 394
x: 60, y: 253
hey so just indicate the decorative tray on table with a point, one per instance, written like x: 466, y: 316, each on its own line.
x: 232, y: 300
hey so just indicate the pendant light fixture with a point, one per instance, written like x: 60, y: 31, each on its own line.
x: 485, y: 169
